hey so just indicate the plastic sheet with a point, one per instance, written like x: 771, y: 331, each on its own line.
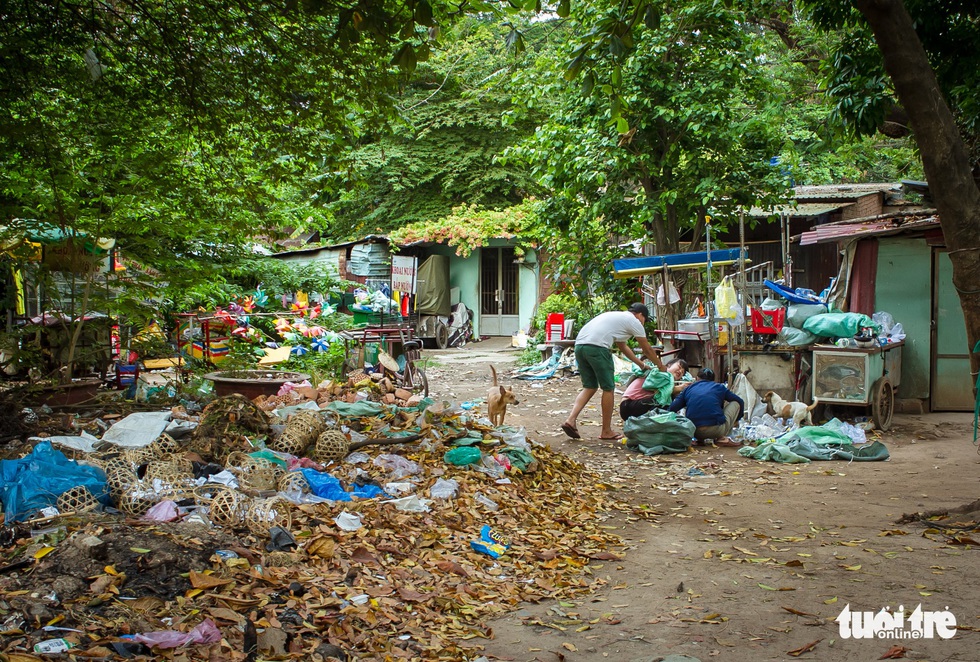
x: 37, y: 480
x: 396, y: 465
x: 205, y: 633
x: 138, y: 430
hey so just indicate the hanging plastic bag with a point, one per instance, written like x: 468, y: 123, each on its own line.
x: 672, y: 295
x: 726, y: 301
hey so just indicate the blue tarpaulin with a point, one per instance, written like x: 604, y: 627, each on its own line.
x: 37, y: 480
x: 631, y: 267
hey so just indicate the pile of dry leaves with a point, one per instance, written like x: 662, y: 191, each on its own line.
x: 405, y: 585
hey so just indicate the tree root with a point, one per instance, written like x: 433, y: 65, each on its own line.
x: 960, y: 510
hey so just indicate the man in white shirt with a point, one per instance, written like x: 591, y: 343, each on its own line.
x: 593, y: 353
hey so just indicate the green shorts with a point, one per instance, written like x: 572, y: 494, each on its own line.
x: 595, y: 367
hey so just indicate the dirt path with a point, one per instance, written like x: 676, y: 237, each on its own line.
x: 751, y: 561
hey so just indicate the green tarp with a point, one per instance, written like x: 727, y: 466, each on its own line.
x: 816, y: 442
x: 432, y: 287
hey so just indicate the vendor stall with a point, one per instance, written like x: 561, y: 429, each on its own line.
x: 699, y: 339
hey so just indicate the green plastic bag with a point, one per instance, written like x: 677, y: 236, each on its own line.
x: 839, y: 325
x: 463, y: 455
x: 661, y: 384
x: 658, y: 432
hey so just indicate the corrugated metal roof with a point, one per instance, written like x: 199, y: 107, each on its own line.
x: 826, y: 233
x: 313, y: 249
x: 842, y: 191
x: 800, y: 210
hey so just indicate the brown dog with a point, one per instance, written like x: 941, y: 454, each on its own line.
x: 798, y: 411
x: 497, y: 400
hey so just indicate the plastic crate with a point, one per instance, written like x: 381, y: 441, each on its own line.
x: 555, y: 327
x: 768, y: 321
x: 366, y: 318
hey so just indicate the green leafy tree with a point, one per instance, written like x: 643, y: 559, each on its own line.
x: 920, y: 60
x: 668, y: 123
x: 454, y: 116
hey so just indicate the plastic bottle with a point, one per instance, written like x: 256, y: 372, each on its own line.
x: 52, y: 646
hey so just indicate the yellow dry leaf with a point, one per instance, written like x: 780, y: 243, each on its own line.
x: 202, y: 580
x: 568, y: 646
x: 194, y: 592
x: 830, y: 601
x: 852, y: 567
x: 44, y: 551
x: 110, y: 570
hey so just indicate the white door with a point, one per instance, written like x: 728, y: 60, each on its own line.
x: 499, y: 295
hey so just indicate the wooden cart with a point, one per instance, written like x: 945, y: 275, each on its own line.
x: 857, y: 376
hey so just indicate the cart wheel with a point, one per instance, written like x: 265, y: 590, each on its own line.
x: 416, y: 381
x: 883, y: 405
x: 442, y: 335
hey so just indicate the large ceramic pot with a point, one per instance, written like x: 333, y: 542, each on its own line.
x: 252, y: 383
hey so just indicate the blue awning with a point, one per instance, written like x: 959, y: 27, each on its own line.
x: 632, y: 267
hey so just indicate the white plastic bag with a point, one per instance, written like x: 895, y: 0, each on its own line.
x: 672, y: 295
x: 444, y: 489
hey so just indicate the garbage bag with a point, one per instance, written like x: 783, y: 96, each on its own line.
x: 795, y: 337
x: 462, y: 456
x: 798, y: 313
x: 839, y: 325
x: 36, y: 480
x: 658, y: 432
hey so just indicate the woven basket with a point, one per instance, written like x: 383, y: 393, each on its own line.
x: 331, y: 445
x: 227, y: 508
x: 263, y: 514
x: 293, y: 440
x: 293, y: 481
x: 120, y: 481
x: 76, y: 500
x: 137, y: 504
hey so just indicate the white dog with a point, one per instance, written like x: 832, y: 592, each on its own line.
x: 798, y: 411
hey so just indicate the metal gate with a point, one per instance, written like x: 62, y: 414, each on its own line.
x: 952, y: 387
x: 498, y: 292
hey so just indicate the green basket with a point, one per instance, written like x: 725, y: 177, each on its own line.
x: 366, y: 318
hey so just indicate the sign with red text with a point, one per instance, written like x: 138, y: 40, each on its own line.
x: 403, y: 273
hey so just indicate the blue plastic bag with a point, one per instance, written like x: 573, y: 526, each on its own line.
x: 37, y: 480
x: 328, y: 487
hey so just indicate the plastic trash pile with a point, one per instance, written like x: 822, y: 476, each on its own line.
x: 215, y: 538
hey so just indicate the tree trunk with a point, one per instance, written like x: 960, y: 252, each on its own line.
x: 945, y: 157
